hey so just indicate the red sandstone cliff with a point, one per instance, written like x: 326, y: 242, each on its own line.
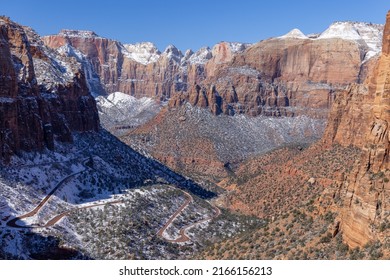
x: 361, y: 117
x: 284, y: 76
x: 43, y: 96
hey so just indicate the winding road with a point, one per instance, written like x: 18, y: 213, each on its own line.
x: 177, y: 213
x: 183, y: 237
x: 53, y: 221
x: 13, y: 222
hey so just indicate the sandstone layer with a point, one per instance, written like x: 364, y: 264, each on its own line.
x: 43, y: 96
x: 361, y: 118
x: 285, y: 76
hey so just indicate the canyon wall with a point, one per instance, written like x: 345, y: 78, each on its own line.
x: 361, y: 118
x: 43, y: 95
x: 284, y: 76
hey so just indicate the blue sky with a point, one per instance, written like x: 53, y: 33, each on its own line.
x: 190, y: 24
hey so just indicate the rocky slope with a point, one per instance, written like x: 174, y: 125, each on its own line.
x: 346, y: 173
x: 288, y: 76
x: 119, y: 112
x: 191, y: 140
x: 361, y: 118
x: 43, y: 95
x: 285, y: 76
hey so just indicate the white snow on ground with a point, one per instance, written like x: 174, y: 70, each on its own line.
x: 93, y: 80
x: 236, y: 47
x: 295, y: 33
x: 343, y: 30
x: 172, y: 53
x: 205, y: 54
x: 144, y: 53
x: 123, y: 100
x: 370, y: 34
x: 7, y: 100
x: 122, y: 110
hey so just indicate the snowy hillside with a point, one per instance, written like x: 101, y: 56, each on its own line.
x: 119, y: 111
x: 59, y: 69
x: 201, y: 56
x: 92, y: 78
x: 98, y: 198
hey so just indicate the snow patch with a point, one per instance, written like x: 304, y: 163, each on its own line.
x: 294, y: 34
x: 364, y: 33
x: 119, y: 110
x: 143, y: 53
x: 342, y: 30
x: 367, y: 35
x: 237, y: 47
x: 201, y: 56
x: 7, y: 100
x: 78, y: 33
x: 173, y: 53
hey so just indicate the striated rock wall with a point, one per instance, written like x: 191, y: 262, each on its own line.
x: 287, y: 77
x: 43, y: 96
x: 361, y: 118
x: 284, y: 76
x: 117, y: 69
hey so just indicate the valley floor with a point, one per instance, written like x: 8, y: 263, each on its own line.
x: 100, y: 199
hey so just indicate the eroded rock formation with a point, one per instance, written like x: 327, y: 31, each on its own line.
x: 43, y: 95
x: 285, y: 76
x: 361, y: 117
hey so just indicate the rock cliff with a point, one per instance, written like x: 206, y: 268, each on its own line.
x: 361, y: 118
x: 285, y: 76
x: 43, y: 95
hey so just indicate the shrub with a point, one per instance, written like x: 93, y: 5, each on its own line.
x: 327, y: 238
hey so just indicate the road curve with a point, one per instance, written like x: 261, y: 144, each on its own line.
x: 13, y: 222
x: 57, y: 218
x: 183, y: 231
x: 177, y: 213
x: 53, y: 221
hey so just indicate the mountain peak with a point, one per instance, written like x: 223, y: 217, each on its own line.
x: 294, y: 34
x: 343, y: 30
x: 368, y: 33
x: 173, y: 53
x: 78, y: 33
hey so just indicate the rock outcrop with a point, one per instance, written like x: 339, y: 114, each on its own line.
x: 139, y: 70
x: 43, y: 95
x: 285, y: 76
x: 361, y: 117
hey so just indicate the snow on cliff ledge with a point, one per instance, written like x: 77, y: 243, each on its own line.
x: 144, y: 53
x: 295, y: 33
x: 78, y: 33
x: 368, y: 33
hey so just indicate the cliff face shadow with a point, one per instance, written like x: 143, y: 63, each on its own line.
x: 142, y: 169
x: 104, y: 162
x: 27, y: 243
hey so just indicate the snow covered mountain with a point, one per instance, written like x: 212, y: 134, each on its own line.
x: 367, y: 34
x: 141, y: 70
